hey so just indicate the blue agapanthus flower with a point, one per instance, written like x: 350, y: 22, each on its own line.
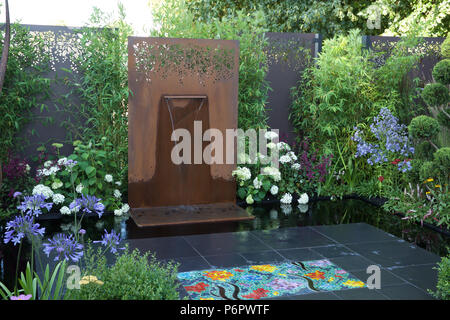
x: 34, y: 204
x: 65, y: 247
x: 21, y: 227
x: 88, y: 204
x: 111, y: 240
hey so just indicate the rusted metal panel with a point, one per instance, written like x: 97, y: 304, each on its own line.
x: 175, y: 82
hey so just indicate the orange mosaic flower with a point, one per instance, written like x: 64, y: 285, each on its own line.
x: 264, y: 267
x: 316, y: 275
x: 199, y: 287
x: 257, y: 294
x: 218, y: 275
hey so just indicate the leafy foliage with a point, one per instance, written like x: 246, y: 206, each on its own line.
x: 441, y: 72
x: 175, y: 20
x: 443, y: 283
x: 24, y: 86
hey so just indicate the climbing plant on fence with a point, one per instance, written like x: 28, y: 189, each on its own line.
x: 25, y: 84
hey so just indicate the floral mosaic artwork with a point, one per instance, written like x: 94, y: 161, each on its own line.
x: 267, y: 281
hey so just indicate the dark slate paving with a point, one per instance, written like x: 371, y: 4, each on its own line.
x: 164, y: 248
x: 424, y: 277
x: 394, y: 253
x: 354, y: 233
x: 405, y: 292
x: 229, y: 242
x: 360, y: 294
x: 289, y: 238
x: 406, y: 270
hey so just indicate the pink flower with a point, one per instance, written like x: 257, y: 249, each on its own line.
x: 21, y: 297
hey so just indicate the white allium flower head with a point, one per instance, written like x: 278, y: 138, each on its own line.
x: 285, y: 159
x: 286, y: 198
x: 296, y: 166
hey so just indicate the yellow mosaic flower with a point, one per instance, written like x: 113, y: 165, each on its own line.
x: 264, y: 267
x: 275, y: 293
x: 218, y: 275
x: 90, y: 279
x: 354, y: 284
x: 206, y: 298
x: 282, y: 274
x: 331, y: 279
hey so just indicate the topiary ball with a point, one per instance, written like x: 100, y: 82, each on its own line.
x: 441, y: 72
x: 442, y: 159
x: 443, y: 119
x: 423, y: 127
x: 435, y: 94
x: 428, y: 170
x: 424, y: 150
x: 445, y: 48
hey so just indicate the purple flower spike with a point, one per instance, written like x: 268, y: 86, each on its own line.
x: 34, y: 204
x: 21, y: 297
x: 111, y: 240
x: 21, y: 227
x: 66, y: 247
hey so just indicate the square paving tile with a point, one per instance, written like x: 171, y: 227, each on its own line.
x: 334, y: 251
x: 262, y: 257
x: 352, y: 263
x: 405, y: 292
x: 229, y: 242
x: 424, y: 277
x: 394, y: 253
x: 303, y: 254
x: 191, y: 263
x: 226, y: 260
x: 297, y: 237
x: 354, y: 233
x: 361, y: 294
x: 164, y: 248
x: 387, y: 278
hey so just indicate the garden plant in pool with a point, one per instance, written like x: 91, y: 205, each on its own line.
x: 360, y: 136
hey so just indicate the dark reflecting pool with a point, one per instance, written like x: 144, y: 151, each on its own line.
x: 266, y: 217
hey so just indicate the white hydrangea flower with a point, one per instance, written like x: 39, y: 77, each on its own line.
x: 65, y: 210
x: 118, y: 212
x: 303, y: 199
x: 274, y: 190
x: 53, y: 170
x: 270, y: 135
x: 79, y: 188
x: 249, y: 199
x: 44, y: 190
x: 286, y: 198
x: 273, y: 172
x: 296, y: 166
x: 285, y: 159
x: 257, y: 183
x: 292, y: 156
x: 57, y: 185
x: 58, y: 198
x: 27, y: 168
x: 125, y: 208
x: 117, y: 193
x: 108, y: 178
x: 271, y: 145
x: 283, y: 146
x: 62, y: 161
x: 47, y: 164
x: 118, y: 183
x: 242, y: 173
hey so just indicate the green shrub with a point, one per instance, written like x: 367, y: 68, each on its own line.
x: 427, y: 170
x: 441, y: 72
x: 442, y: 159
x: 445, y: 47
x: 435, y: 94
x: 424, y: 127
x: 443, y: 119
x: 413, y: 175
x: 132, y: 277
x: 443, y: 283
x: 424, y: 151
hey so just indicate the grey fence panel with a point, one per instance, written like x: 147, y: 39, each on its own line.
x: 288, y: 54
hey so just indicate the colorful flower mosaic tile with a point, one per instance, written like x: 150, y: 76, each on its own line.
x: 266, y: 281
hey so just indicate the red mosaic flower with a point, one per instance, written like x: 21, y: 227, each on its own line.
x: 257, y: 294
x: 316, y: 275
x: 239, y: 270
x: 199, y: 287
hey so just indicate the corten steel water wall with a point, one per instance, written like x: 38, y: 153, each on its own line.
x: 175, y: 82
